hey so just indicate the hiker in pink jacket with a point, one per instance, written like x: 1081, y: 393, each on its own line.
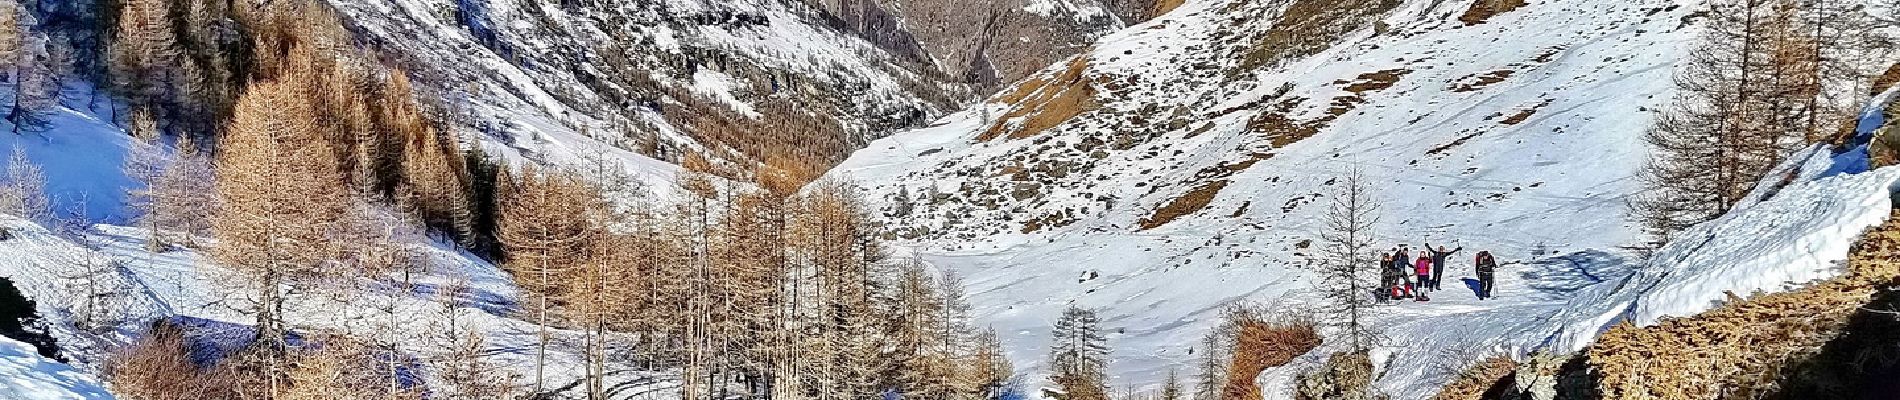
x: 1424, y: 269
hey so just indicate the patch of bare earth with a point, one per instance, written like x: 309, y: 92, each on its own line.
x: 1187, y: 204
x: 1163, y: 7
x: 1474, y: 82
x: 1483, y: 10
x: 1045, y: 102
x: 1307, y: 27
x: 1524, y: 114
x: 1281, y: 129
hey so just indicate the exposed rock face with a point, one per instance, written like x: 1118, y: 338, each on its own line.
x: 987, y: 42
x: 1346, y: 376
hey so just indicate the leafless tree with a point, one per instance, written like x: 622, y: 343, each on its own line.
x: 1348, y: 268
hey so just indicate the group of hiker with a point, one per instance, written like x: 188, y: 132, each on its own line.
x: 1405, y: 277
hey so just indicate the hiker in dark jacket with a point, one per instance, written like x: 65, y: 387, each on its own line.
x: 1438, y: 255
x: 1487, y: 267
x: 1385, y: 279
x: 1401, y: 258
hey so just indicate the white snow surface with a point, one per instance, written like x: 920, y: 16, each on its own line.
x: 79, y: 157
x: 24, y: 374
x: 141, y: 286
x: 1547, y: 194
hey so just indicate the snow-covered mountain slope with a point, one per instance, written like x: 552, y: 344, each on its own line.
x: 1184, y: 163
x: 558, y: 81
x: 80, y: 159
x: 987, y: 42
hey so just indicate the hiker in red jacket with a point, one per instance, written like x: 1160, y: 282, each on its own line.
x: 1424, y: 269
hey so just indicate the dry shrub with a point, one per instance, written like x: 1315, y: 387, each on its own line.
x: 346, y: 370
x: 1742, y: 349
x: 1187, y: 204
x: 1284, y: 130
x: 1346, y: 376
x: 1260, y: 344
x: 160, y: 368
x: 1479, y: 379
x: 1483, y: 10
x: 1045, y: 102
x: 1860, y: 364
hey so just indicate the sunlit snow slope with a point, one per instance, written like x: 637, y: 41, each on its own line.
x: 1520, y: 136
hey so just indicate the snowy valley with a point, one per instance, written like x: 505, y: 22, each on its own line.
x: 916, y: 199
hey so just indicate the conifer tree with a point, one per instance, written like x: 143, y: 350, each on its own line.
x: 1078, y: 361
x: 282, y: 199
x: 921, y: 361
x: 546, y: 231
x: 1171, y: 388
x: 144, y: 51
x: 23, y: 189
x: 1211, y: 359
x: 35, y: 85
x: 990, y: 367
x: 1348, y: 269
x: 1758, y: 86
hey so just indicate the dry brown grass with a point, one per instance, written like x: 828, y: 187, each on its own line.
x: 1044, y: 102
x: 1524, y: 114
x: 1478, y: 379
x: 1187, y: 204
x: 1886, y: 80
x: 1375, y: 81
x: 1163, y: 7
x: 1282, y: 130
x: 1741, y: 349
x: 1483, y: 10
x: 1259, y: 345
x: 1310, y: 26
x: 1475, y: 82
